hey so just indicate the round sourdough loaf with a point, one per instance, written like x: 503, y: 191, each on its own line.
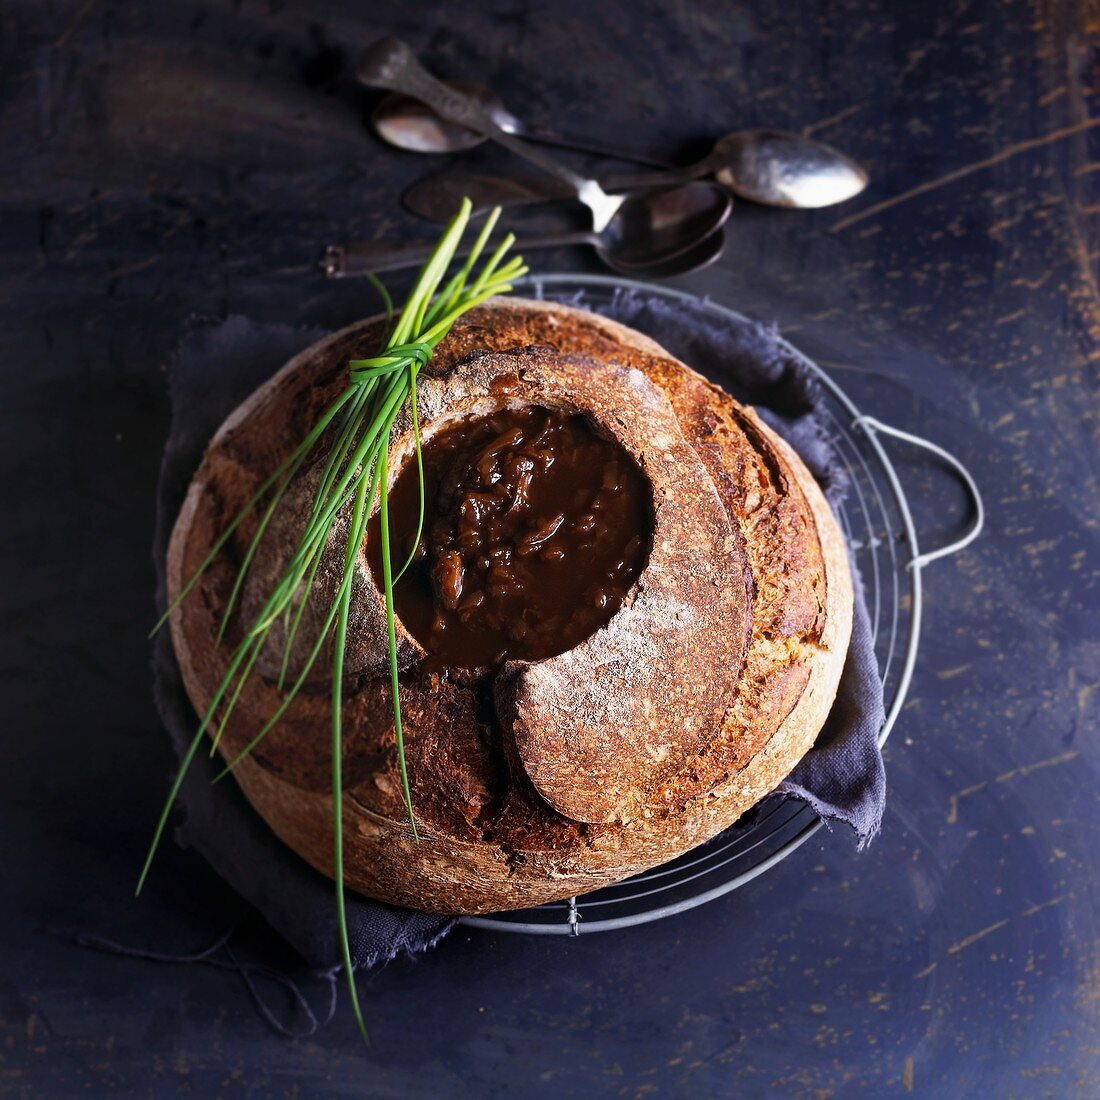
x: 539, y: 779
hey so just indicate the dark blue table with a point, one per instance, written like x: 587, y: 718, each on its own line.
x: 185, y: 158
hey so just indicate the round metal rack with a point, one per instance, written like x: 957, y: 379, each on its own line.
x: 878, y: 525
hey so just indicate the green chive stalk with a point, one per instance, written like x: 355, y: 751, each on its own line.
x: 355, y: 473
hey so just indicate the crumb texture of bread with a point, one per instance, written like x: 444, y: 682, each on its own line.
x: 555, y: 777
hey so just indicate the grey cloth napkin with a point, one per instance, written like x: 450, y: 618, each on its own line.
x: 218, y: 365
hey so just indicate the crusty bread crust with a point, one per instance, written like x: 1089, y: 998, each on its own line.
x: 509, y: 813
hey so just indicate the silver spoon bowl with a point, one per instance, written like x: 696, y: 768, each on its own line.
x: 656, y: 228
x: 781, y: 169
x: 406, y: 123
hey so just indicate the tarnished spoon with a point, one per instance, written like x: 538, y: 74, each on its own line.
x: 390, y: 64
x: 432, y: 196
x: 340, y: 261
x: 772, y: 167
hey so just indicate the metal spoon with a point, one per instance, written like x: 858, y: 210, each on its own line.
x: 772, y: 167
x: 390, y: 64
x: 770, y: 170
x: 340, y: 261
x: 642, y: 235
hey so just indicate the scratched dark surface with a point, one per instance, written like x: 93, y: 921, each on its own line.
x: 163, y: 160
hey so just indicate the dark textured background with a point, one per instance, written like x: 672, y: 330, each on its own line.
x: 161, y: 160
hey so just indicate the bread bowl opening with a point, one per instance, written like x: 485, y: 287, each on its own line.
x: 536, y: 526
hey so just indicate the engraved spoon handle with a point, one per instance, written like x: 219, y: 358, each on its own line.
x: 390, y: 64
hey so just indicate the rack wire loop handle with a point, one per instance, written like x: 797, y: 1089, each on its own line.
x: 870, y: 424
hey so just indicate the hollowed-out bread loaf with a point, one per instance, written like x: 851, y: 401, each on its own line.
x: 537, y: 779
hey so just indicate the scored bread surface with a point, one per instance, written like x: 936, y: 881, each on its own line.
x: 557, y: 777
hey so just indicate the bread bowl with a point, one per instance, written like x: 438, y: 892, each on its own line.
x: 553, y: 773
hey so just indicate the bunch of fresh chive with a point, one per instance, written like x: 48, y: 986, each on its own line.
x: 355, y: 473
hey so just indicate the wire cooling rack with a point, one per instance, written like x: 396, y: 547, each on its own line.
x: 878, y: 525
